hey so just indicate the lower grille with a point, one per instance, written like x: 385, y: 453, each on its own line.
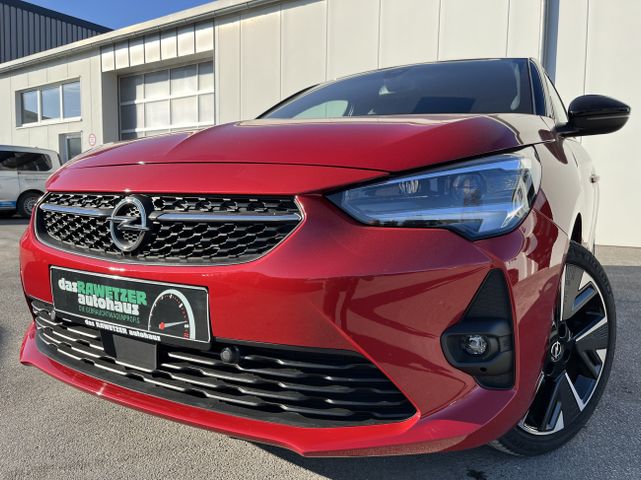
x: 303, y: 387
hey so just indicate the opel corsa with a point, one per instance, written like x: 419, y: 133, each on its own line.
x: 395, y: 262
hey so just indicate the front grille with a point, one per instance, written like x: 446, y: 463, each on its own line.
x: 304, y: 387
x: 182, y: 229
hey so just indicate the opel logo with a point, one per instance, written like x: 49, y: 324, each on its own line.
x: 128, y: 222
x: 556, y: 351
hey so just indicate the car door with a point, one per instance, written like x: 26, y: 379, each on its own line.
x: 589, y: 180
x: 33, y: 170
x: 589, y: 195
x: 9, y: 184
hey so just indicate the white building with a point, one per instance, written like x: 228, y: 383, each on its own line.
x: 232, y: 59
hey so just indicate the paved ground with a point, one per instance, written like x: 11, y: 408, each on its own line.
x: 49, y: 430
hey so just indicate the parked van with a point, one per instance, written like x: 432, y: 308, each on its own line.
x: 23, y: 173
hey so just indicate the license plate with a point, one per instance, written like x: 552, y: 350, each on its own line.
x: 137, y: 308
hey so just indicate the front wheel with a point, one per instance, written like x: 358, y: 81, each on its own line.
x: 578, y: 360
x: 26, y: 203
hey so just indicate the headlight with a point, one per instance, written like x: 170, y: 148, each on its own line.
x: 478, y: 198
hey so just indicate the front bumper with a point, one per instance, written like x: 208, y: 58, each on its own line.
x: 387, y: 294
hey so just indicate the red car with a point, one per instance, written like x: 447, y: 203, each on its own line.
x: 395, y: 262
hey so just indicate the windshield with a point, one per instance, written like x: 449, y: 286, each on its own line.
x: 470, y: 86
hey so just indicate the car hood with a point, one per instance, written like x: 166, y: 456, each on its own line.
x: 388, y: 144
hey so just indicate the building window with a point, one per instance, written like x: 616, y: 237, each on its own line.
x: 50, y: 98
x: 29, y: 107
x: 71, y: 99
x: 169, y: 100
x: 51, y: 103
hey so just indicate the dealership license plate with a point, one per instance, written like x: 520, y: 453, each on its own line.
x: 136, y: 308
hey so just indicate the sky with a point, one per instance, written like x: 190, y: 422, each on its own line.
x: 117, y: 13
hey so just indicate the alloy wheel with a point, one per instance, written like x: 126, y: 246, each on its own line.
x: 576, y: 356
x: 30, y: 204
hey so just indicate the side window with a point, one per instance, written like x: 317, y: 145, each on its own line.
x: 8, y: 161
x: 24, y: 161
x: 33, y: 162
x: 557, y: 104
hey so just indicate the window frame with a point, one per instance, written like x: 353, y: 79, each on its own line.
x: 38, y: 90
x: 554, y: 93
x: 168, y: 98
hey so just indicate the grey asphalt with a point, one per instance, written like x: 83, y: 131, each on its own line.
x: 50, y: 430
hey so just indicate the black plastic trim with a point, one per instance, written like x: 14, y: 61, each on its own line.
x: 318, y: 388
x: 489, y: 314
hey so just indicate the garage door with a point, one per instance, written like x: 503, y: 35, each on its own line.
x: 168, y: 100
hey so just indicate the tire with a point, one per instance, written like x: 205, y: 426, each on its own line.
x: 544, y: 429
x: 26, y: 203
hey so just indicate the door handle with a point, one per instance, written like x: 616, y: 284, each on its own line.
x: 594, y: 178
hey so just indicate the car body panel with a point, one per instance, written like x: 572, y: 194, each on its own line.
x: 209, y: 178
x: 9, y: 189
x: 391, y: 143
x: 346, y: 305
x: 386, y: 293
x: 567, y: 183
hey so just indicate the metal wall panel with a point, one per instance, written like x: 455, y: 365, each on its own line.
x: 260, y: 60
x: 27, y: 31
x: 108, y: 58
x: 227, y: 68
x: 299, y: 43
x: 204, y: 36
x: 152, y: 47
x: 473, y: 29
x: 168, y: 44
x: 409, y: 31
x: 186, y: 40
x: 122, y: 55
x: 566, y: 54
x: 137, y: 51
x: 304, y: 39
x: 353, y: 36
x: 5, y: 32
x: 526, y: 28
x: 595, y: 53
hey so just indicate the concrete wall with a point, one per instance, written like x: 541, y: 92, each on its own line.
x: 264, y: 55
x: 598, y: 50
x: 85, y: 67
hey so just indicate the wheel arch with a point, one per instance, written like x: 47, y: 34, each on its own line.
x: 31, y: 190
x: 577, y: 230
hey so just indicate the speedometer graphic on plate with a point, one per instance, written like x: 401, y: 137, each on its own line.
x: 171, y: 314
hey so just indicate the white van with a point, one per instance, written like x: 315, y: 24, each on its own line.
x: 23, y: 173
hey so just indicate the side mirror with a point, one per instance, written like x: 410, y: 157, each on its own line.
x: 594, y: 115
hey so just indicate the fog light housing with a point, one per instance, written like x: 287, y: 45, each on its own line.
x: 481, y: 342
x: 475, y: 345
